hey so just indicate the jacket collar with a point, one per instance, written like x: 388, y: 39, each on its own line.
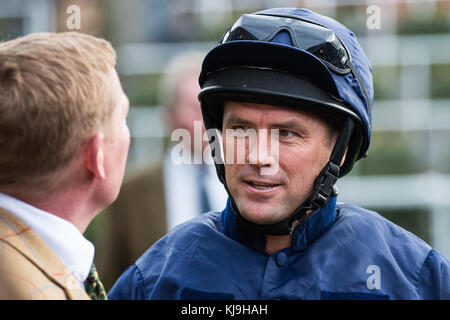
x: 60, y: 235
x: 21, y: 237
x: 307, y: 231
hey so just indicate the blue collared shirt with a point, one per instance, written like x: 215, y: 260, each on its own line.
x: 338, y: 252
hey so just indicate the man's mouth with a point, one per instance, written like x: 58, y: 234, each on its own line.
x: 262, y: 185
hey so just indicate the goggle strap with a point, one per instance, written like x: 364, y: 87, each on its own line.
x: 360, y: 83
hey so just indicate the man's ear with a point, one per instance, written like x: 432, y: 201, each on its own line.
x: 94, y: 156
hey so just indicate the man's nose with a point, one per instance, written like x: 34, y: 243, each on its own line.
x: 260, y: 153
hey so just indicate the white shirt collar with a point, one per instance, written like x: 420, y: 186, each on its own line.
x: 181, y: 193
x: 62, y: 237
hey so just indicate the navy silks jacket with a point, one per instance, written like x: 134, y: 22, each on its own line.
x: 338, y: 252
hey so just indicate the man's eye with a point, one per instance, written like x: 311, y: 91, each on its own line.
x: 243, y: 128
x: 286, y: 133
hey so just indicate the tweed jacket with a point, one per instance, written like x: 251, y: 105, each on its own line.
x: 30, y: 268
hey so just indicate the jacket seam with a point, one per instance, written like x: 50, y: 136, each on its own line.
x: 141, y: 281
x: 421, y: 270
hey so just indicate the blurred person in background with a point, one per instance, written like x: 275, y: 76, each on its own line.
x: 154, y: 200
x: 64, y: 142
x: 282, y: 234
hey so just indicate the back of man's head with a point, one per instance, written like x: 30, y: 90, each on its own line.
x: 53, y: 94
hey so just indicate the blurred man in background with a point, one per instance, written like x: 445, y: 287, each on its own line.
x: 63, y: 147
x: 155, y: 200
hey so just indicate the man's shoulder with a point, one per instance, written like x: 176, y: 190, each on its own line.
x: 30, y: 267
x: 208, y: 220
x: 26, y: 279
x: 169, y: 258
x: 8, y: 223
x: 354, y: 214
x: 196, y: 229
x: 370, y: 225
x: 185, y: 237
x: 374, y: 241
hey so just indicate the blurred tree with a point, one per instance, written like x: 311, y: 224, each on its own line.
x: 440, y: 81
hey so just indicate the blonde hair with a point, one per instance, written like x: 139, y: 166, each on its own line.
x: 54, y: 91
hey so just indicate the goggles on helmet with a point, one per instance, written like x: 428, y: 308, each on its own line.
x: 305, y: 35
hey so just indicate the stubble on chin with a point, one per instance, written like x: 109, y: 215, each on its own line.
x: 261, y: 214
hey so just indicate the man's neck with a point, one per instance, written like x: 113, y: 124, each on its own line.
x: 69, y: 208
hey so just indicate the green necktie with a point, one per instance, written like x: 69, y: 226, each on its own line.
x: 93, y: 285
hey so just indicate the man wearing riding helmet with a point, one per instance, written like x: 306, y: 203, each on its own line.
x: 304, y: 78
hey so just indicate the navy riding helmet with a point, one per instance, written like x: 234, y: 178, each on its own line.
x: 295, y: 58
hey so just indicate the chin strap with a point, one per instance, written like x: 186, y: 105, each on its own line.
x: 324, y: 188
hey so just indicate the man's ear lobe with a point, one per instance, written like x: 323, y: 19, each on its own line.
x: 94, y: 156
